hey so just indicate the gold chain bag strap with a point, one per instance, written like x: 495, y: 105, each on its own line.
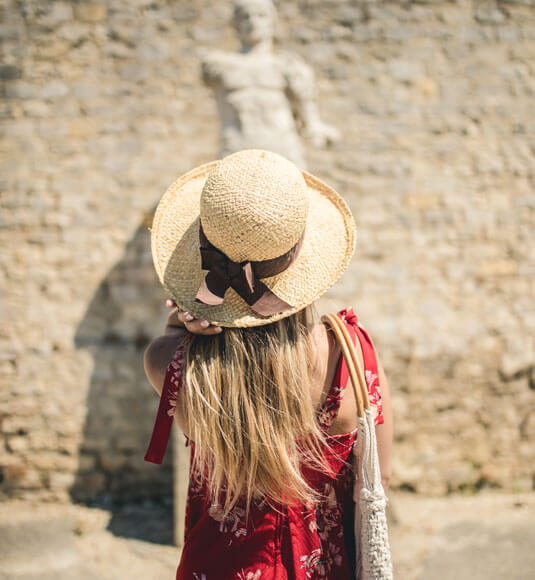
x: 373, y: 558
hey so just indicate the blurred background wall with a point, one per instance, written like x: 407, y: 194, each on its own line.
x: 104, y: 107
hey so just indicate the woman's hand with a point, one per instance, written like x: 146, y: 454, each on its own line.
x: 178, y: 320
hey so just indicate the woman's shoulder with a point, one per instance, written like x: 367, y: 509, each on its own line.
x: 158, y: 355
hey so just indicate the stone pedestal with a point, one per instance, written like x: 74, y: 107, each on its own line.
x: 181, y: 455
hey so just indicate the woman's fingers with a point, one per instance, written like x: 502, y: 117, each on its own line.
x: 197, y: 325
x: 192, y: 324
x: 184, y: 316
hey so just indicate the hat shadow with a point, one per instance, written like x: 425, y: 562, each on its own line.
x: 125, y: 313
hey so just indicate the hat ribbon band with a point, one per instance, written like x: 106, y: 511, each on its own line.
x: 243, y: 277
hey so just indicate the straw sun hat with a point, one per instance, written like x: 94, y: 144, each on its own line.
x: 250, y: 239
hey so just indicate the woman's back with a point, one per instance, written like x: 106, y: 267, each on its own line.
x: 293, y: 541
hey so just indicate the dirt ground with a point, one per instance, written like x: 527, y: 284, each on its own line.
x: 486, y: 536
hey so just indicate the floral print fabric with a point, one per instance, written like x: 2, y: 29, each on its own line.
x: 297, y: 542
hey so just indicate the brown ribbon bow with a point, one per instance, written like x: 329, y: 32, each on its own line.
x: 243, y: 277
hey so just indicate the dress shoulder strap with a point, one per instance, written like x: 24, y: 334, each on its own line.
x: 331, y: 406
x: 332, y: 403
x: 371, y: 368
x: 167, y: 407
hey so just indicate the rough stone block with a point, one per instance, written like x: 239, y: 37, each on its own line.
x: 17, y: 444
x: 496, y: 268
x: 91, y: 12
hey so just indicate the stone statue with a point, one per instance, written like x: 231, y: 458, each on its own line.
x: 265, y: 99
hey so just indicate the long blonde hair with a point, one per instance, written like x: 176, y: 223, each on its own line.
x: 248, y: 410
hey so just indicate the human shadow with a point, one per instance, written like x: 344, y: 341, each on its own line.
x: 125, y: 313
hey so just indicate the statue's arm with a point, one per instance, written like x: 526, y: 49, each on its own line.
x: 211, y: 68
x: 302, y: 93
x: 300, y: 88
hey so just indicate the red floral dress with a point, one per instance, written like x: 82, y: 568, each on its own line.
x: 302, y: 541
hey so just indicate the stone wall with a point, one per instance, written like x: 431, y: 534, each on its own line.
x: 104, y: 108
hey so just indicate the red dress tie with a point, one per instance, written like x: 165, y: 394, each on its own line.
x: 167, y: 406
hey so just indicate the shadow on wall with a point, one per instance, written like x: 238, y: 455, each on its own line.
x: 125, y: 313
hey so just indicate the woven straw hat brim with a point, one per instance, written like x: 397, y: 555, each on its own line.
x: 328, y: 245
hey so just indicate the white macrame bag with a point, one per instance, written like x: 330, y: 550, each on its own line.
x: 373, y: 558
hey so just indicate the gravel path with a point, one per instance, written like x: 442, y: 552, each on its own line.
x: 486, y: 536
